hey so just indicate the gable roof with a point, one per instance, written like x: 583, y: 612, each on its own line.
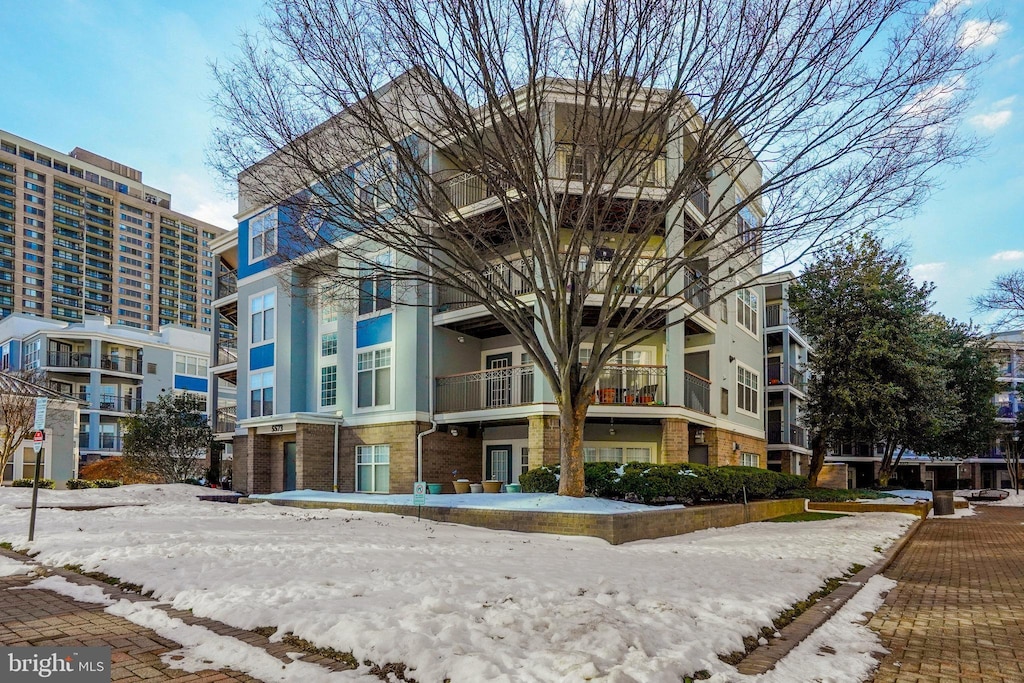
x: 12, y: 384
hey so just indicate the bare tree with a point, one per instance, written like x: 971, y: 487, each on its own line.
x: 1005, y: 296
x: 18, y: 392
x: 587, y: 126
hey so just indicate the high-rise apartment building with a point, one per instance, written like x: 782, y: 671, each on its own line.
x: 81, y: 235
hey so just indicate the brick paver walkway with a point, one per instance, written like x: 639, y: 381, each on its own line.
x: 958, y: 611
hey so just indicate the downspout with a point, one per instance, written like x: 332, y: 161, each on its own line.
x: 336, y: 423
x: 430, y: 393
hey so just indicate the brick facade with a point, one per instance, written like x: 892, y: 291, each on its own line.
x: 675, y: 440
x: 722, y: 450
x: 314, y: 460
x: 444, y: 453
x: 545, y: 442
x: 833, y: 475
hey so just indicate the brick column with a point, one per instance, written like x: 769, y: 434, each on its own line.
x: 675, y: 440
x: 544, y: 440
x: 314, y: 457
x: 240, y: 464
x: 258, y: 456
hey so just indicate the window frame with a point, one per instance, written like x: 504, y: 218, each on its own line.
x: 742, y: 388
x: 262, y: 220
x: 262, y: 388
x: 261, y: 296
x: 749, y: 310
x: 328, y: 396
x: 373, y: 464
x: 373, y: 351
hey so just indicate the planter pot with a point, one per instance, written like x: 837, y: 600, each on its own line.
x: 461, y: 486
x: 476, y: 488
x: 434, y: 488
x: 493, y: 486
x: 513, y: 488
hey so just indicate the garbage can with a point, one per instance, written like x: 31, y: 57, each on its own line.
x: 942, y: 502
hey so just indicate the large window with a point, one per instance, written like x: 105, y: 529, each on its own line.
x: 751, y: 460
x: 617, y: 453
x: 32, y: 351
x: 185, y: 364
x: 375, y: 179
x: 746, y: 389
x: 328, y: 386
x: 329, y: 344
x: 373, y: 466
x: 373, y: 378
x: 261, y: 394
x: 374, y: 287
x: 262, y: 317
x: 263, y: 235
x: 748, y: 225
x: 746, y: 310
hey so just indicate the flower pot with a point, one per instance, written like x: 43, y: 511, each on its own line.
x: 476, y: 488
x: 513, y: 488
x: 434, y: 488
x: 461, y: 486
x: 493, y: 486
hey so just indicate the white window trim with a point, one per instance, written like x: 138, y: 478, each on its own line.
x: 277, y: 235
x: 320, y: 386
x: 652, y: 445
x: 355, y: 463
x: 375, y: 258
x: 757, y: 392
x: 757, y: 459
x: 757, y: 313
x: 273, y: 329
x: 249, y: 390
x: 355, y: 377
x: 197, y: 357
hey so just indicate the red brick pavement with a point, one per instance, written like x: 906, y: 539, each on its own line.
x: 958, y: 611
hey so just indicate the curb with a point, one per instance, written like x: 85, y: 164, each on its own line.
x: 765, y: 657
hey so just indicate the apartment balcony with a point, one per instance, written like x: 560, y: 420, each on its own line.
x: 225, y: 420
x: 1006, y: 410
x: 118, y: 364
x: 775, y: 316
x: 118, y: 404
x: 779, y: 374
x: 227, y: 284
x: 778, y: 435
x: 617, y: 385
x: 227, y: 352
x: 109, y: 442
x: 55, y: 359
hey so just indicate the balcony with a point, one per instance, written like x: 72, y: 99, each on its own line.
x: 119, y: 404
x: 226, y: 420
x: 227, y: 284
x: 227, y: 351
x: 496, y: 388
x: 702, y: 200
x: 109, y: 442
x: 68, y: 359
x: 775, y: 315
x: 1005, y: 410
x: 643, y: 282
x: 777, y: 435
x: 631, y: 385
x: 118, y: 364
x: 779, y: 374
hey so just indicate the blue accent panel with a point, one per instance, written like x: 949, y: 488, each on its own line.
x: 190, y: 383
x: 261, y: 357
x: 373, y: 331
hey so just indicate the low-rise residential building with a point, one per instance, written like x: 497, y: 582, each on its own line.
x: 786, y: 354
x: 59, y: 454
x: 343, y: 396
x: 113, y: 370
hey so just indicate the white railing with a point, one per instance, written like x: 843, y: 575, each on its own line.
x: 495, y: 388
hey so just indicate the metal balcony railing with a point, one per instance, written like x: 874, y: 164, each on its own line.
x: 118, y: 364
x: 109, y: 442
x: 227, y: 283
x: 775, y: 315
x: 120, y: 404
x: 632, y: 385
x: 628, y: 169
x: 226, y: 420
x: 777, y: 435
x: 227, y: 351
x: 697, y: 392
x: 461, y: 190
x: 494, y: 388
x: 778, y: 374
x: 68, y: 359
x: 702, y: 200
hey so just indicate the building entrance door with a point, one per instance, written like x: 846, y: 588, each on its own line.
x: 289, y: 466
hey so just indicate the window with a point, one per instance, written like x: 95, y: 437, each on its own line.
x: 748, y: 225
x: 375, y: 179
x: 373, y: 465
x: 375, y: 288
x: 328, y: 386
x: 746, y: 390
x: 329, y: 344
x: 750, y: 459
x: 31, y: 354
x: 261, y: 394
x: 263, y: 235
x: 373, y: 378
x: 190, y: 365
x: 262, y: 317
x: 617, y: 453
x: 746, y: 310
x: 329, y: 305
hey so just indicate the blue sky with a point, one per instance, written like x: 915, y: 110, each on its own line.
x: 129, y: 79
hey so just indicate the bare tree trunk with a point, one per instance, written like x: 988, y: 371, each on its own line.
x: 817, y: 459
x: 572, y: 418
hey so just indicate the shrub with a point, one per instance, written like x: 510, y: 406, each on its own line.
x: 107, y: 483
x: 27, y: 483
x: 820, y: 495
x: 81, y: 484
x: 115, y: 469
x: 540, y: 480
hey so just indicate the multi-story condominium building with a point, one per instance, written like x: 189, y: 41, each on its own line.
x: 81, y: 234
x: 341, y: 395
x: 785, y: 379
x: 113, y: 370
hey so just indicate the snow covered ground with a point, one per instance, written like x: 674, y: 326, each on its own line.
x: 134, y: 494
x: 473, y: 604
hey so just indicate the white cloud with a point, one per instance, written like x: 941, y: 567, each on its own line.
x: 980, y: 33
x: 1005, y: 102
x: 992, y: 121
x: 193, y: 197
x: 1011, y: 255
x: 944, y: 6
x: 927, y: 270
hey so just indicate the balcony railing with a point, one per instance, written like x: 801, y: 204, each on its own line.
x: 630, y: 168
x: 68, y: 359
x: 109, y: 442
x: 462, y: 190
x: 495, y: 388
x: 697, y: 392
x: 1006, y: 410
x: 227, y: 351
x: 226, y: 420
x: 777, y: 435
x: 702, y: 200
x: 510, y: 274
x: 118, y: 364
x: 227, y: 283
x: 775, y: 315
x: 631, y: 385
x: 778, y: 374
x: 797, y: 436
x: 120, y: 404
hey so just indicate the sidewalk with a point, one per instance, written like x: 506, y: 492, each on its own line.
x: 958, y: 611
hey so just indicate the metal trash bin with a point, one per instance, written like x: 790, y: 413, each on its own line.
x: 942, y: 502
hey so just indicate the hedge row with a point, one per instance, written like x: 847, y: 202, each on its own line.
x: 686, y: 483
x: 820, y: 495
x: 93, y: 483
x: 27, y: 483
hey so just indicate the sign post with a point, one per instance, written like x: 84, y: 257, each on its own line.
x: 37, y: 446
x: 419, y: 496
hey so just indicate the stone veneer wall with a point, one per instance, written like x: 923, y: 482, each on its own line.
x: 675, y: 440
x: 721, y: 452
x: 616, y: 529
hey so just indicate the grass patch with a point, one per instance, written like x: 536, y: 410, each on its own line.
x: 304, y: 645
x: 820, y: 495
x: 805, y: 517
x: 105, y: 578
x: 6, y: 545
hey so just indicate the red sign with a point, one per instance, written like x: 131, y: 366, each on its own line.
x: 38, y: 438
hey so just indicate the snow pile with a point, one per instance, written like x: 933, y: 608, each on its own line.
x: 9, y: 567
x: 132, y: 494
x: 1013, y: 500
x: 465, y: 603
x: 536, y: 502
